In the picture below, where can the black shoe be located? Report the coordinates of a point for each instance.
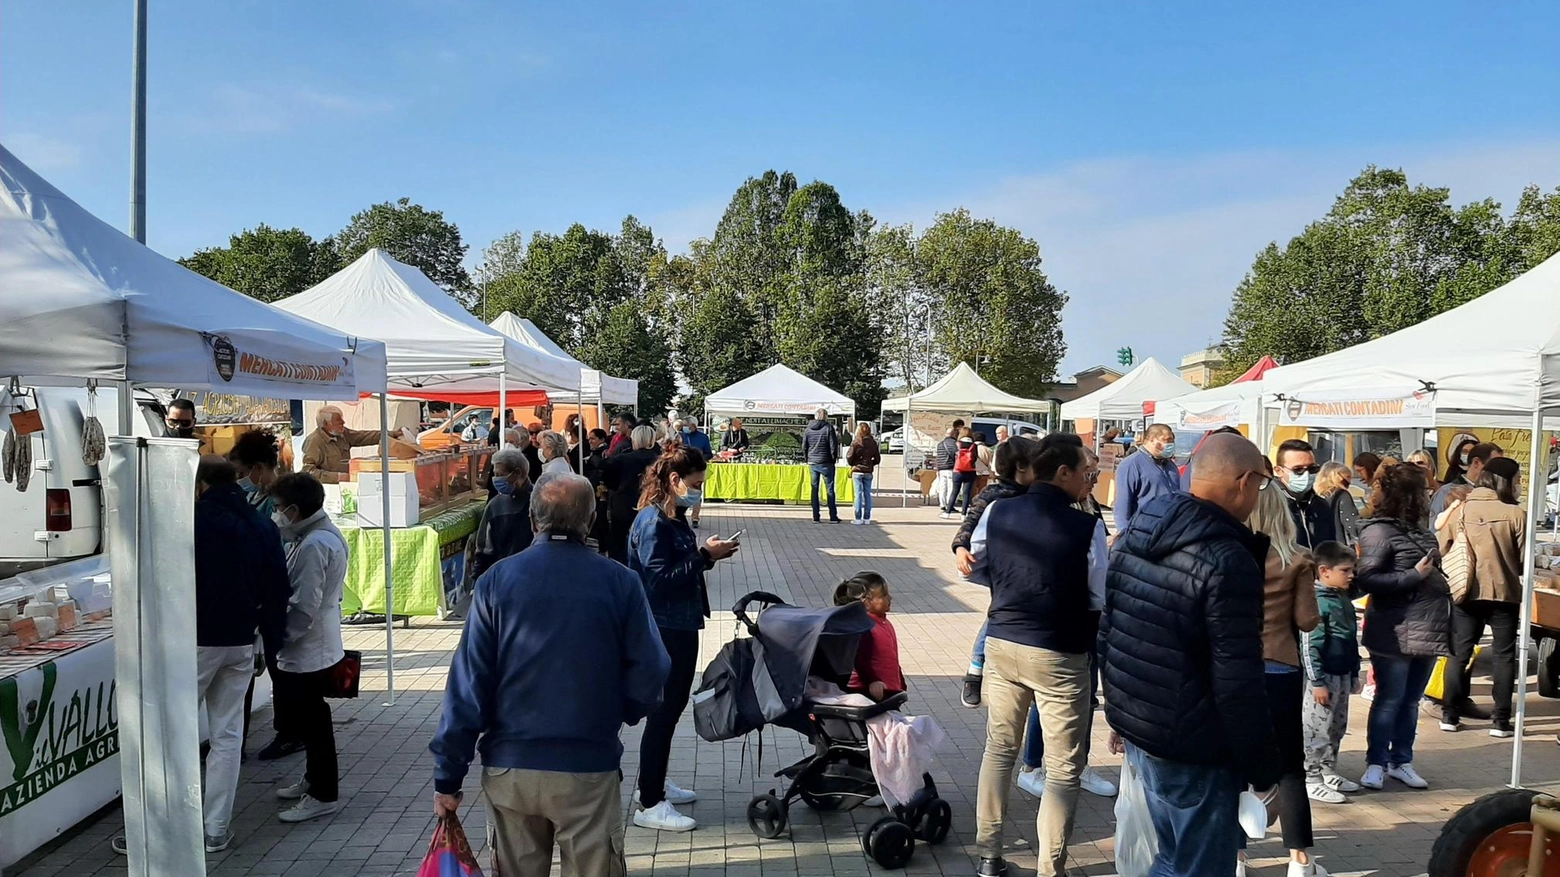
(836, 521)
(992, 867)
(1470, 710)
(695, 524)
(279, 748)
(1502, 728)
(971, 697)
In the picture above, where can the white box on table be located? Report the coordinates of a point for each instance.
(405, 500)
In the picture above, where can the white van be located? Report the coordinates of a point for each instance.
(987, 428)
(60, 516)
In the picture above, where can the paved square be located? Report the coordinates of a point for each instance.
(386, 819)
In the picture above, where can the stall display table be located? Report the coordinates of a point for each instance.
(60, 760)
(785, 482)
(419, 554)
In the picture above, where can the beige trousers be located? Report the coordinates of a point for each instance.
(529, 811)
(1058, 684)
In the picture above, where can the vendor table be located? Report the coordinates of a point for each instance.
(60, 732)
(790, 483)
(419, 561)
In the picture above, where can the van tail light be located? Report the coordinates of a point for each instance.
(57, 510)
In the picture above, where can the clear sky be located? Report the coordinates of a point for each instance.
(1151, 148)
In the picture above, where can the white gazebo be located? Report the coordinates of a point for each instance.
(596, 387)
(777, 390)
(1123, 399)
(1494, 361)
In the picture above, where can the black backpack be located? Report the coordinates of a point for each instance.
(726, 706)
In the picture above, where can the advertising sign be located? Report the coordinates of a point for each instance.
(246, 370)
(1361, 413)
(1209, 419)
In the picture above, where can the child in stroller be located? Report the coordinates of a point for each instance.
(792, 653)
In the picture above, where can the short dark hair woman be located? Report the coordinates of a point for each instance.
(664, 551)
(257, 456)
(1497, 537)
(1408, 621)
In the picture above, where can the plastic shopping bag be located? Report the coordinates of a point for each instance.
(449, 853)
(1136, 842)
(1253, 815)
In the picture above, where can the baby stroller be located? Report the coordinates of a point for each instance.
(761, 679)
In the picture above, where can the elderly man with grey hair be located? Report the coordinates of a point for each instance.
(327, 452)
(549, 740)
(554, 448)
(505, 529)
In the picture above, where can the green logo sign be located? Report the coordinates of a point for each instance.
(51, 739)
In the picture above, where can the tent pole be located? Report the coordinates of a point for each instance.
(904, 456)
(579, 424)
(384, 499)
(1538, 489)
(503, 408)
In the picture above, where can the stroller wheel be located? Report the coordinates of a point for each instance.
(889, 842)
(766, 816)
(937, 821)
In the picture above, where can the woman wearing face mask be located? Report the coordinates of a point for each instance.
(505, 529)
(671, 563)
(257, 457)
(1332, 485)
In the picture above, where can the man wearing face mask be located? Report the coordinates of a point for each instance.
(1296, 473)
(180, 422)
(505, 529)
(327, 452)
(1473, 460)
(1141, 477)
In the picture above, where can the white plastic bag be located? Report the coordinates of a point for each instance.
(1136, 842)
(1253, 815)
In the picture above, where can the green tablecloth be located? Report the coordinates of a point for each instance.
(417, 553)
(790, 483)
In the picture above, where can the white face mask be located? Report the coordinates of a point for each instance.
(281, 520)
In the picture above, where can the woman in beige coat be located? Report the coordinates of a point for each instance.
(1497, 539)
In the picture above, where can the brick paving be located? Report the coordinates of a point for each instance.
(386, 818)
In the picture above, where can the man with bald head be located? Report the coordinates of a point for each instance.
(1181, 647)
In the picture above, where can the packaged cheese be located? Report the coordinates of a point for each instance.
(8, 612)
(67, 616)
(9, 642)
(47, 627)
(25, 630)
(42, 609)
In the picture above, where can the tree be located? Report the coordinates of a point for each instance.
(267, 263)
(718, 344)
(995, 307)
(502, 258)
(415, 235)
(899, 303)
(1535, 226)
(624, 345)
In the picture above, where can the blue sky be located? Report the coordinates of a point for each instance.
(1150, 148)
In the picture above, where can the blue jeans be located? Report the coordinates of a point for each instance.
(863, 495)
(963, 486)
(1394, 714)
(826, 472)
(978, 654)
(1194, 811)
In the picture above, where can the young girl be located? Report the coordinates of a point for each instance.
(877, 672)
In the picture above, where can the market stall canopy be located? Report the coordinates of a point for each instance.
(79, 299)
(435, 348)
(778, 390)
(962, 390)
(1232, 405)
(1490, 362)
(1262, 367)
(595, 385)
(1123, 399)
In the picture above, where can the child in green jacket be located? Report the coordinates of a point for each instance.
(1332, 664)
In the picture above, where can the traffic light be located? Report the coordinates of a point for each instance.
(1124, 356)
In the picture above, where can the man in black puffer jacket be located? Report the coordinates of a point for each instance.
(1181, 647)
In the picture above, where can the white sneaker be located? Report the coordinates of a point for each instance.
(677, 794)
(1339, 782)
(308, 808)
(1324, 793)
(664, 817)
(858, 522)
(1032, 781)
(293, 792)
(945, 516)
(1240, 865)
(1405, 774)
(1095, 783)
(1375, 777)
(869, 521)
(1310, 869)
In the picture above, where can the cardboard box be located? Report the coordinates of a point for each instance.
(405, 503)
(1546, 605)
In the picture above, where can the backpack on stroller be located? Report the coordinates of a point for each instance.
(762, 679)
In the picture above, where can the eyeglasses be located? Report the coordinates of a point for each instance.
(180, 424)
(1094, 477)
(1303, 470)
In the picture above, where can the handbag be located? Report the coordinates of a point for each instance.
(1457, 565)
(341, 681)
(449, 852)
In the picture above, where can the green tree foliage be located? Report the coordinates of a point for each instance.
(625, 345)
(267, 263)
(415, 235)
(1387, 255)
(900, 304)
(994, 307)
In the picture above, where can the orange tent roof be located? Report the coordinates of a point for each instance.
(1258, 370)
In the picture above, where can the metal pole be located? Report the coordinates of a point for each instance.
(904, 452)
(384, 509)
(138, 127)
(503, 412)
(1538, 488)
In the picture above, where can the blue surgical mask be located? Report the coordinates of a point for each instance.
(690, 499)
(1168, 452)
(1300, 482)
(687, 430)
(503, 486)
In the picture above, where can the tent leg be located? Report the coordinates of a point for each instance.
(384, 468)
(904, 457)
(579, 424)
(503, 408)
(1537, 487)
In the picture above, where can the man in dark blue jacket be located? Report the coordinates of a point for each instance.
(549, 739)
(1181, 647)
(821, 450)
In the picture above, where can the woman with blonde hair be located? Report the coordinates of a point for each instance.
(1288, 606)
(1426, 461)
(1332, 485)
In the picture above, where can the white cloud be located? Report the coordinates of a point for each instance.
(268, 109)
(43, 153)
(1151, 248)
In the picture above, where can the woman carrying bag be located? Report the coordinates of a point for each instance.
(864, 456)
(1489, 528)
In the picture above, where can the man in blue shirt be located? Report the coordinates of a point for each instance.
(1145, 475)
(549, 742)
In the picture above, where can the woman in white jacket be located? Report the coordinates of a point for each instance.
(317, 567)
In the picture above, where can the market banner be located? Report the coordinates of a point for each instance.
(1365, 411)
(274, 371)
(1210, 418)
(1514, 443)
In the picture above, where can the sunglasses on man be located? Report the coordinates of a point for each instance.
(1304, 470)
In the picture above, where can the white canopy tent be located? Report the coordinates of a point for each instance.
(1123, 399)
(778, 390)
(1207, 410)
(596, 387)
(1447, 372)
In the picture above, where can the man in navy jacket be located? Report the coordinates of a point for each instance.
(1143, 476)
(549, 736)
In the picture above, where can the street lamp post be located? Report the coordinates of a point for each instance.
(138, 127)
